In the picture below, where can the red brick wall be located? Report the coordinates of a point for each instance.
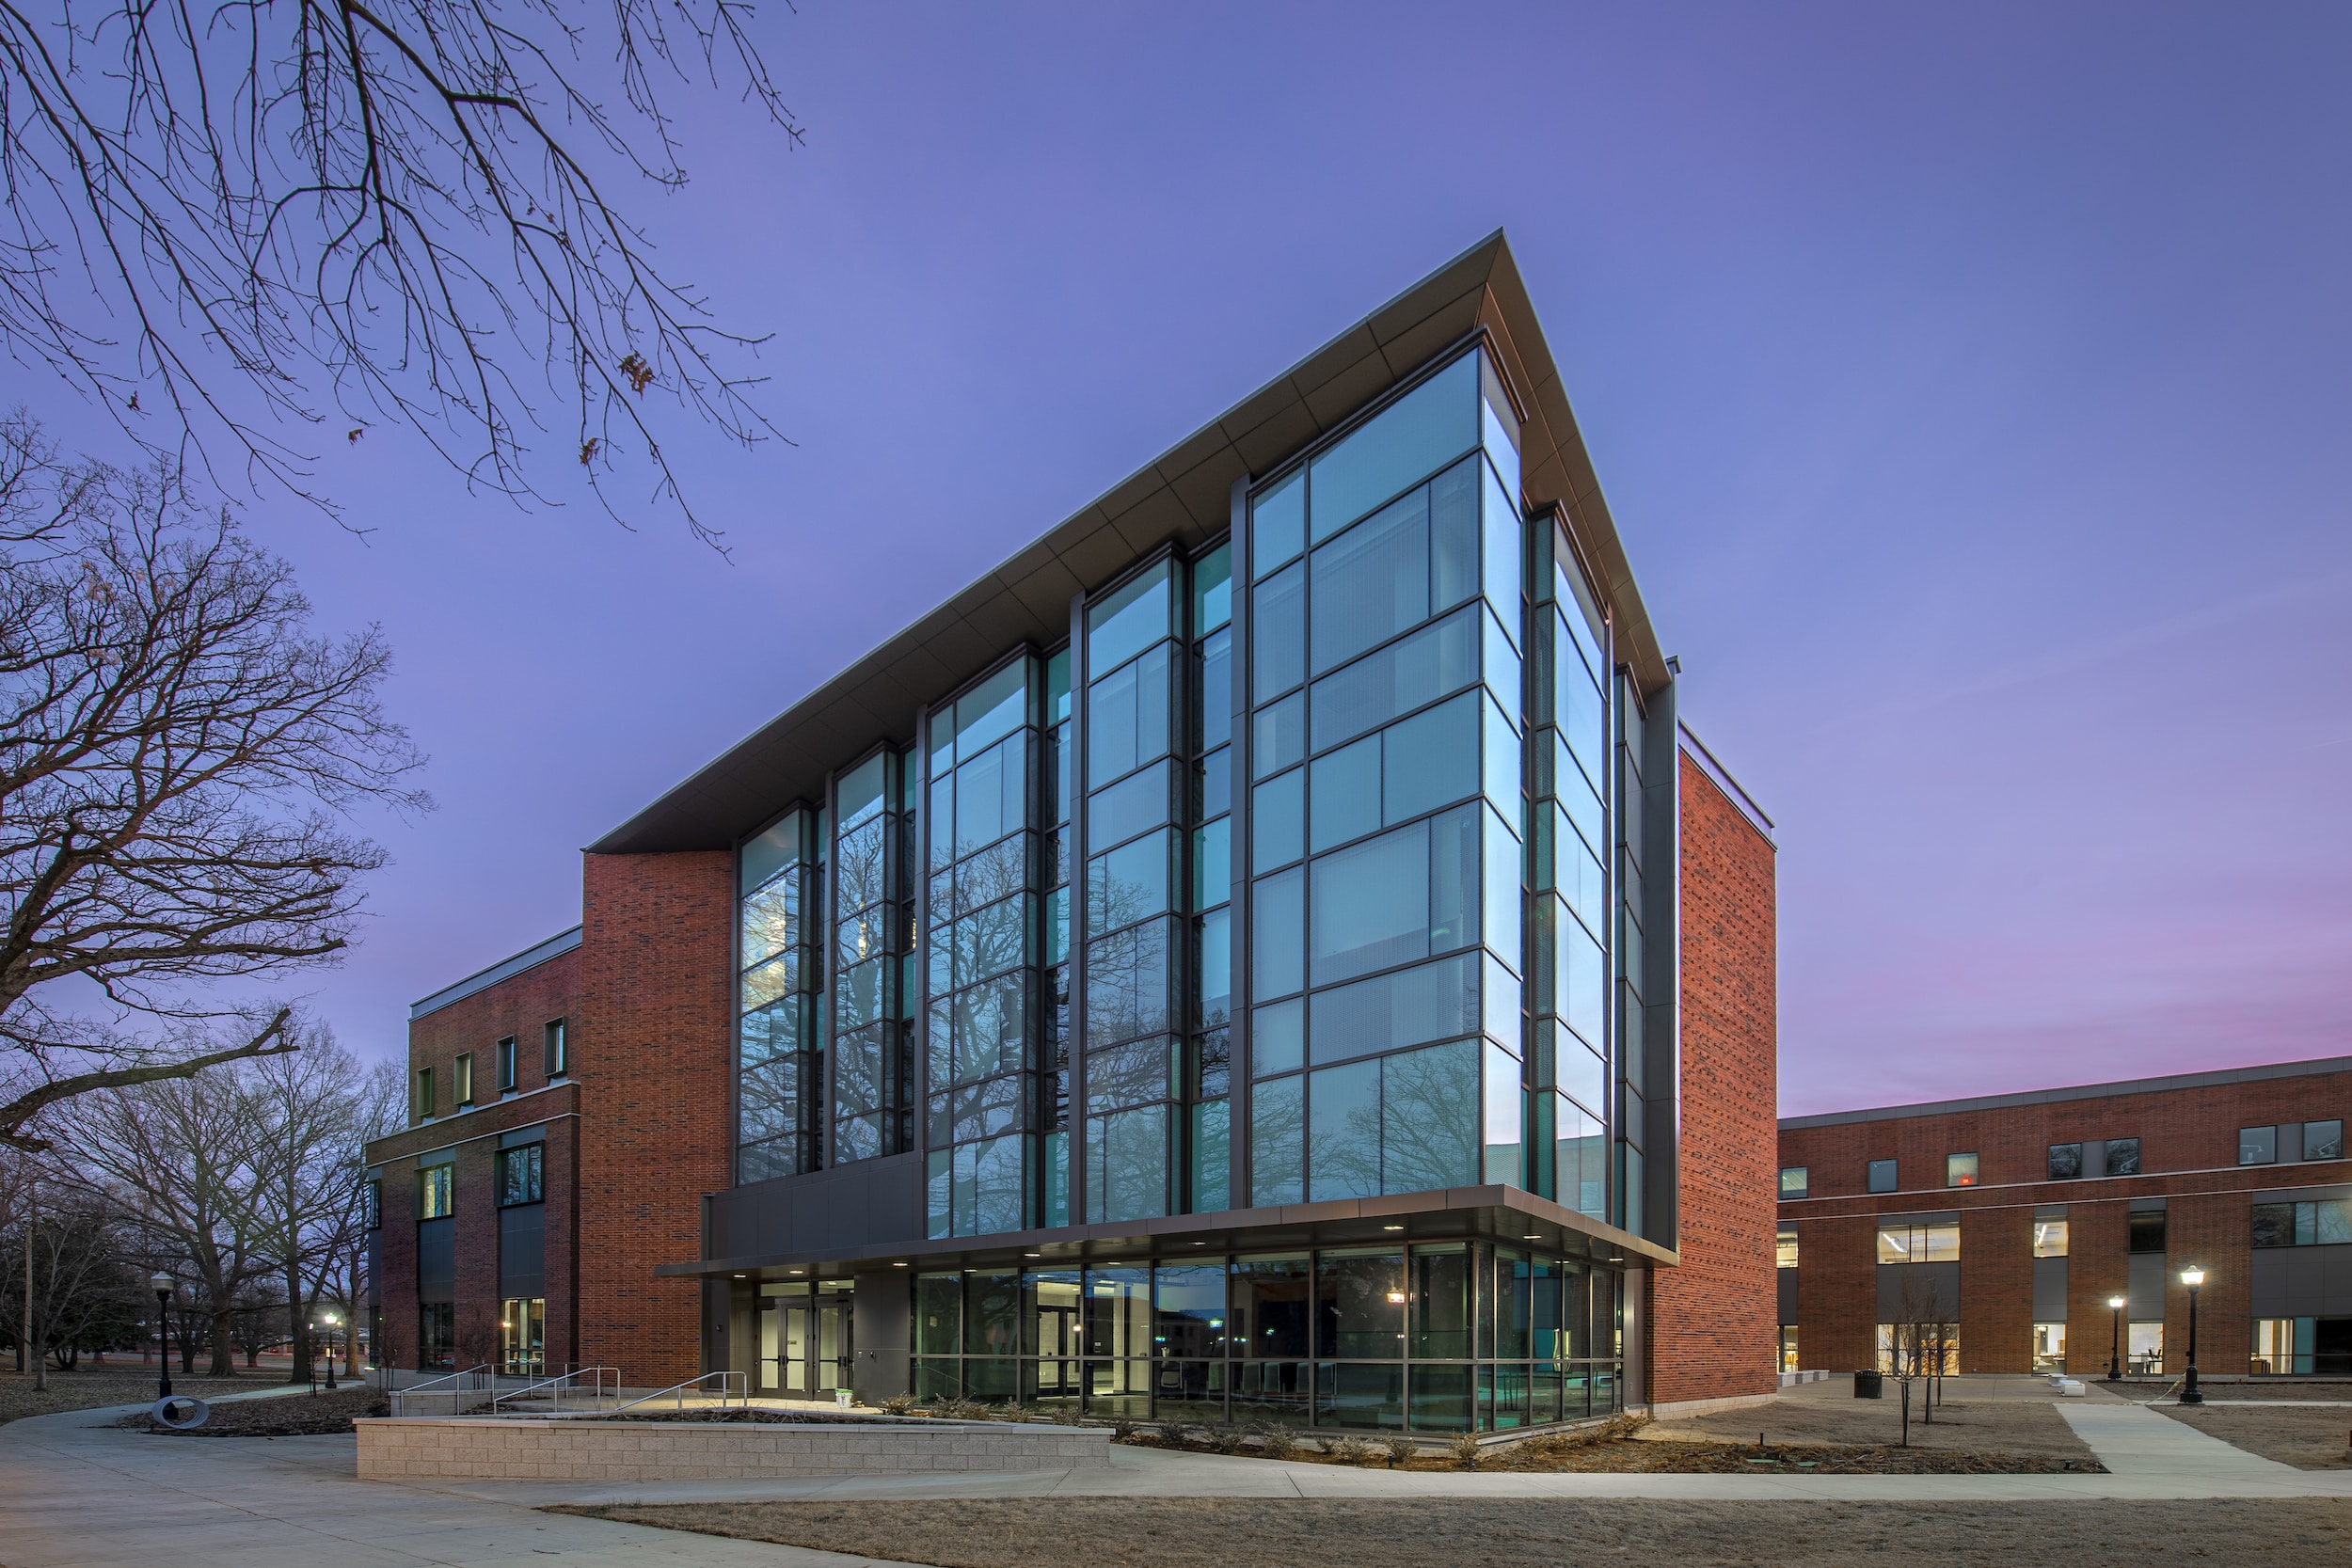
(1837, 1293)
(652, 1059)
(520, 1005)
(2188, 1155)
(1715, 1321)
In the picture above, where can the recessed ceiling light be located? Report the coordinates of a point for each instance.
(1392, 1228)
(742, 1277)
(1033, 1255)
(1531, 1238)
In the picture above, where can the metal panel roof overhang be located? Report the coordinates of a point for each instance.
(1184, 496)
(1500, 1213)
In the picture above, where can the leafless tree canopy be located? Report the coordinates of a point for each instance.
(405, 211)
(180, 754)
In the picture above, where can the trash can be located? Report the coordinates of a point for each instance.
(1869, 1385)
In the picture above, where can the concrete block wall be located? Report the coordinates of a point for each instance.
(610, 1450)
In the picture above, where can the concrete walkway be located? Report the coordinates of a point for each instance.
(79, 1491)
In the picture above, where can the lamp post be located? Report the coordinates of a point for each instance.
(2115, 1343)
(2190, 1392)
(162, 1283)
(331, 1353)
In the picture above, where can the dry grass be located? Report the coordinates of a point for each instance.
(1982, 1424)
(2316, 1439)
(89, 1390)
(1139, 1532)
(317, 1414)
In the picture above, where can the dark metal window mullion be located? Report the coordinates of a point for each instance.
(1240, 1102)
(919, 872)
(1077, 1141)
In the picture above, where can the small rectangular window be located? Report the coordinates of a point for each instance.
(2323, 1140)
(375, 1199)
(1793, 1180)
(559, 1049)
(2122, 1157)
(2049, 1347)
(2066, 1161)
(433, 1193)
(1882, 1176)
(1785, 1248)
(461, 1081)
(1960, 1170)
(2257, 1146)
(506, 1063)
(2147, 1230)
(425, 1094)
(521, 1176)
(2049, 1238)
(1900, 1242)
(2274, 1225)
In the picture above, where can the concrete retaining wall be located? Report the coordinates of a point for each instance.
(572, 1449)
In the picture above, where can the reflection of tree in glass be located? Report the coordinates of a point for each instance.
(1430, 1100)
(1127, 972)
(772, 917)
(861, 864)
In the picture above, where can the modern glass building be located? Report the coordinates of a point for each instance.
(1227, 962)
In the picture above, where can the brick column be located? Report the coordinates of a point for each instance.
(2213, 1232)
(396, 1264)
(1837, 1292)
(2097, 1267)
(1996, 1289)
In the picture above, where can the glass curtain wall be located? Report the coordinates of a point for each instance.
(1632, 1119)
(871, 1091)
(1210, 1070)
(1388, 807)
(779, 1065)
(983, 918)
(1133, 898)
(1062, 853)
(1569, 916)
(1447, 1337)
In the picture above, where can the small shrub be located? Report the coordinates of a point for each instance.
(1012, 1410)
(1278, 1443)
(1175, 1434)
(1123, 1429)
(1228, 1439)
(1351, 1450)
(898, 1404)
(1400, 1450)
(1463, 1449)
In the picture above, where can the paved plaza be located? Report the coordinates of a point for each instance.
(81, 1492)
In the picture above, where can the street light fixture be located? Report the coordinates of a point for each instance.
(2115, 1344)
(2190, 1394)
(331, 1353)
(162, 1284)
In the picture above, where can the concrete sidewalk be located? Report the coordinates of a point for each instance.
(81, 1492)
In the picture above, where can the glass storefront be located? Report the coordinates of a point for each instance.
(806, 1339)
(1444, 1336)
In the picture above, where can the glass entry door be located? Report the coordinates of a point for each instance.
(805, 1340)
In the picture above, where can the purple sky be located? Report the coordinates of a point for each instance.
(1972, 387)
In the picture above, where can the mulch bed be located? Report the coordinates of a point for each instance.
(320, 1415)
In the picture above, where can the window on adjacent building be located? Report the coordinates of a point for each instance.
(2066, 1161)
(558, 1048)
(2323, 1140)
(1960, 1170)
(425, 1094)
(433, 1193)
(2049, 1238)
(2144, 1347)
(1793, 1181)
(2147, 1230)
(461, 1081)
(1882, 1176)
(2122, 1157)
(1785, 1248)
(1788, 1347)
(2325, 1223)
(374, 1198)
(521, 1176)
(2049, 1347)
(2257, 1146)
(1906, 1242)
(506, 1063)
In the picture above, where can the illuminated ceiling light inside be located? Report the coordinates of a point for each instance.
(1392, 1228)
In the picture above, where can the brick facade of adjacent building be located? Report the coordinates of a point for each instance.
(2188, 1132)
(1713, 1315)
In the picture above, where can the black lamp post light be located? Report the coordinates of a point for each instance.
(163, 1288)
(2190, 1393)
(2115, 1344)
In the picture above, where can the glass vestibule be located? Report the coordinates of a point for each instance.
(805, 1338)
(1442, 1336)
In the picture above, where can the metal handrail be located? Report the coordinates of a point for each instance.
(727, 1381)
(400, 1396)
(559, 1384)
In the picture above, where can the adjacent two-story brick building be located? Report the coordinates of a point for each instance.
(1271, 950)
(2050, 1230)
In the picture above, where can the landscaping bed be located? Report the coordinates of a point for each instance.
(1525, 1532)
(318, 1415)
(2317, 1438)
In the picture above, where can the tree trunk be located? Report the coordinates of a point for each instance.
(297, 1323)
(223, 1348)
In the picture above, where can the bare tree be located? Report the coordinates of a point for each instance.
(179, 756)
(325, 211)
(82, 1290)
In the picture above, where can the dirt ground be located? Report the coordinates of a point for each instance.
(294, 1416)
(1203, 1532)
(2316, 1440)
(2011, 1416)
(90, 1389)
(2144, 1389)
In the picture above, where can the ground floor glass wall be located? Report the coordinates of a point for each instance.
(1441, 1338)
(805, 1337)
